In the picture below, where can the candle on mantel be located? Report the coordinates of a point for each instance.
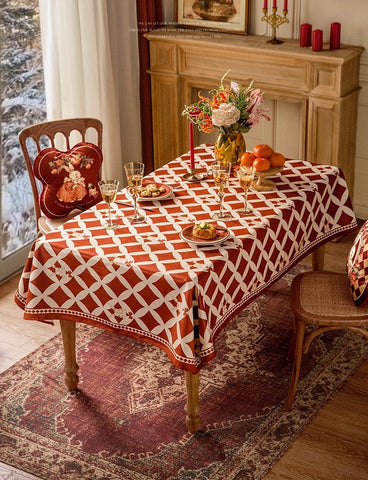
(285, 5)
(265, 4)
(305, 35)
(335, 33)
(317, 40)
(191, 145)
(274, 5)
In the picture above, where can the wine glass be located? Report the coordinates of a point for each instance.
(221, 172)
(109, 189)
(245, 176)
(134, 173)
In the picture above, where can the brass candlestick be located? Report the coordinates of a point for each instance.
(193, 176)
(275, 21)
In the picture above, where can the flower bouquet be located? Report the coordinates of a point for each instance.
(232, 110)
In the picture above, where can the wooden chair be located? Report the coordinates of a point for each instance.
(322, 299)
(61, 134)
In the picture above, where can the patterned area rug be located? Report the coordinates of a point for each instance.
(128, 422)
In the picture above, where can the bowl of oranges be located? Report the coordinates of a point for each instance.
(266, 163)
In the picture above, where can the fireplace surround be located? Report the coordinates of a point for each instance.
(325, 83)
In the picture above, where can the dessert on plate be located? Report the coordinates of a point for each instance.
(152, 190)
(204, 230)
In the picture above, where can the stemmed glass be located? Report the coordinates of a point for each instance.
(134, 173)
(221, 173)
(245, 176)
(109, 189)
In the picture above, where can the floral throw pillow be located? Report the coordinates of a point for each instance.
(69, 179)
(357, 267)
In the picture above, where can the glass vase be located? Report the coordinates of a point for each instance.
(230, 147)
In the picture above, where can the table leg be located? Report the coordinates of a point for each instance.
(70, 365)
(193, 408)
(318, 257)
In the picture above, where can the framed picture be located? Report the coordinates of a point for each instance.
(221, 15)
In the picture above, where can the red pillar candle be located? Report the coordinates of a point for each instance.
(191, 145)
(317, 40)
(305, 35)
(335, 33)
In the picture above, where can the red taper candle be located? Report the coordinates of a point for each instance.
(335, 34)
(305, 35)
(191, 145)
(265, 4)
(285, 5)
(317, 40)
(274, 5)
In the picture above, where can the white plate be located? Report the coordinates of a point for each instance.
(163, 196)
(222, 235)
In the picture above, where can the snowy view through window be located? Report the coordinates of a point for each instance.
(22, 104)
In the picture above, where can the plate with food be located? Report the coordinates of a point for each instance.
(204, 233)
(154, 191)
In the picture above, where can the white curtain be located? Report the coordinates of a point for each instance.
(90, 50)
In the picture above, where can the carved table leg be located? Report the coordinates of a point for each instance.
(193, 408)
(318, 257)
(70, 365)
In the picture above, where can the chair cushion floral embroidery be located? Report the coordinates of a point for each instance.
(69, 179)
(357, 267)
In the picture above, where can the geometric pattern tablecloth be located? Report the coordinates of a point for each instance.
(141, 279)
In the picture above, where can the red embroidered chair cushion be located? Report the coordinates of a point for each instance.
(357, 267)
(69, 179)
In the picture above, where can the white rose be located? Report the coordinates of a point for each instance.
(225, 115)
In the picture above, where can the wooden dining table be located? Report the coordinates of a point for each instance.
(148, 281)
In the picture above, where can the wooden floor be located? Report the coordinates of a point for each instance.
(333, 447)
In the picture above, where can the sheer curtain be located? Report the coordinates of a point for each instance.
(91, 67)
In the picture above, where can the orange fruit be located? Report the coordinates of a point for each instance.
(247, 159)
(277, 159)
(262, 150)
(261, 164)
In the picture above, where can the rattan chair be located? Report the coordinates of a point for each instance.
(322, 299)
(62, 134)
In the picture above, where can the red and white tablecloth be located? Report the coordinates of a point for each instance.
(141, 279)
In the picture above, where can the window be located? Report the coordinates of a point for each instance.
(22, 104)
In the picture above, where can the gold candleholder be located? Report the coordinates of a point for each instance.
(275, 21)
(193, 176)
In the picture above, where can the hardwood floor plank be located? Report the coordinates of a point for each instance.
(18, 337)
(350, 425)
(10, 473)
(327, 459)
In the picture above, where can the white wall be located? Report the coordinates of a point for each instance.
(353, 16)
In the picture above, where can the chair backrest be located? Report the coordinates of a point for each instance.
(61, 134)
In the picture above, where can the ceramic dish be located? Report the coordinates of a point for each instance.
(222, 235)
(166, 193)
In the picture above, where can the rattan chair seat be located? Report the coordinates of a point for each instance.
(324, 298)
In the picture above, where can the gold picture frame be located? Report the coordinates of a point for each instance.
(221, 15)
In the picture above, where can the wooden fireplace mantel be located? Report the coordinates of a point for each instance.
(325, 83)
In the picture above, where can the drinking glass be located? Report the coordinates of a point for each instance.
(245, 176)
(109, 189)
(221, 172)
(134, 173)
